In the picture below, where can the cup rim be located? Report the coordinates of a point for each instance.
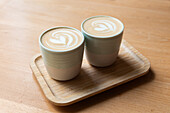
(102, 37)
(60, 51)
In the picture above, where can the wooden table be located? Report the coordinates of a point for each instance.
(147, 28)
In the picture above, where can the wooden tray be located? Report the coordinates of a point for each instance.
(92, 80)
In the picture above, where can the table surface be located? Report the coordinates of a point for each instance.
(147, 28)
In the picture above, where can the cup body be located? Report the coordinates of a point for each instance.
(62, 65)
(101, 51)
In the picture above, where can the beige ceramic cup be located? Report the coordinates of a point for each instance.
(102, 51)
(62, 65)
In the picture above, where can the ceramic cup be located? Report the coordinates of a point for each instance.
(102, 51)
(62, 65)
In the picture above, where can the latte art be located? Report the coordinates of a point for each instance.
(61, 39)
(102, 26)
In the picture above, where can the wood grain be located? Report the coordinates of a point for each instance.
(147, 25)
(129, 65)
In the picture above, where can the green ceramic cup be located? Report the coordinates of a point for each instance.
(102, 51)
(62, 65)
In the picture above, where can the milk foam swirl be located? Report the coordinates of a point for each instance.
(62, 39)
(103, 25)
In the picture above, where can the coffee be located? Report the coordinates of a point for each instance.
(102, 26)
(103, 35)
(62, 52)
(62, 38)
